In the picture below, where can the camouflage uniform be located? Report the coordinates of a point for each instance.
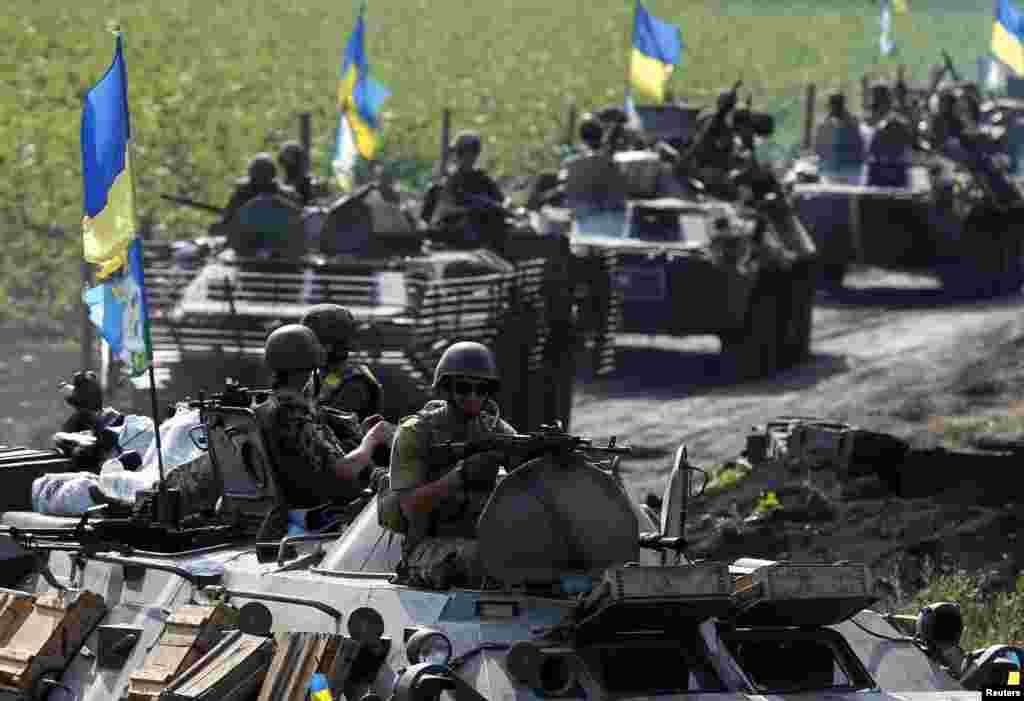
(306, 450)
(246, 190)
(440, 550)
(455, 194)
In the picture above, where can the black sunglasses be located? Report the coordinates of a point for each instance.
(468, 386)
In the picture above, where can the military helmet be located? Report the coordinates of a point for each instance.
(591, 131)
(291, 154)
(333, 324)
(467, 140)
(262, 170)
(84, 391)
(467, 359)
(293, 348)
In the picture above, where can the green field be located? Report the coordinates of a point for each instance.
(210, 83)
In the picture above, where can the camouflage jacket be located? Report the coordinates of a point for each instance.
(413, 465)
(245, 191)
(456, 192)
(306, 451)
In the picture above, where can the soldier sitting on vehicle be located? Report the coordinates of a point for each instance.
(466, 200)
(295, 163)
(85, 396)
(591, 179)
(346, 386)
(838, 142)
(261, 180)
(313, 466)
(435, 504)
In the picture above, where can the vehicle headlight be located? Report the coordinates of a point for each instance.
(429, 646)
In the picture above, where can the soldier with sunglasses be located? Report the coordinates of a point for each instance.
(433, 504)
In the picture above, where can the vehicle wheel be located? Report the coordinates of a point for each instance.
(753, 352)
(795, 319)
(832, 274)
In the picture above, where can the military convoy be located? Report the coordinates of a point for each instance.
(692, 259)
(957, 215)
(593, 596)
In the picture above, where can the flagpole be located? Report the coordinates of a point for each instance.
(162, 504)
(629, 55)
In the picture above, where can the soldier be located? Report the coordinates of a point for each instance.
(347, 387)
(434, 503)
(466, 192)
(881, 104)
(313, 465)
(838, 141)
(295, 163)
(85, 396)
(262, 179)
(591, 133)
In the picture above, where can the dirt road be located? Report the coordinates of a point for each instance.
(887, 355)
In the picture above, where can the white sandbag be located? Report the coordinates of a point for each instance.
(63, 493)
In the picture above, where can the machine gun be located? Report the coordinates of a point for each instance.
(522, 447)
(193, 203)
(726, 104)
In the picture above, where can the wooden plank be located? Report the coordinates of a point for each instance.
(13, 612)
(298, 656)
(236, 664)
(51, 629)
(188, 634)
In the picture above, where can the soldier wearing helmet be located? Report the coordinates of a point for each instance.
(591, 132)
(467, 195)
(295, 162)
(347, 387)
(261, 179)
(314, 466)
(434, 503)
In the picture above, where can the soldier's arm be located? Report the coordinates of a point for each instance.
(409, 473)
(325, 452)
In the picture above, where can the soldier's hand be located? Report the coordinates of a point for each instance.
(370, 421)
(481, 469)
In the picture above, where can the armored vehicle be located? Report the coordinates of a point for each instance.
(590, 598)
(952, 211)
(689, 262)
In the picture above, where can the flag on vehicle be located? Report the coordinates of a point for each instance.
(117, 307)
(108, 225)
(657, 48)
(359, 100)
(1008, 35)
(885, 41)
(319, 689)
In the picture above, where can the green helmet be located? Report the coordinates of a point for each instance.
(291, 155)
(466, 359)
(262, 170)
(333, 324)
(293, 348)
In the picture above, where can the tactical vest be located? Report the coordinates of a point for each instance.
(335, 381)
(456, 516)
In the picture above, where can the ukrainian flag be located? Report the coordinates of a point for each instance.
(657, 47)
(109, 221)
(118, 306)
(1008, 35)
(359, 99)
(318, 688)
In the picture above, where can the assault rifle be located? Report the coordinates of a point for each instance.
(193, 203)
(549, 440)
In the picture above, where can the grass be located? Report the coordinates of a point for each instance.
(210, 84)
(988, 620)
(960, 431)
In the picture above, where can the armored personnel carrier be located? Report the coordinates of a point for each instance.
(688, 260)
(955, 212)
(589, 598)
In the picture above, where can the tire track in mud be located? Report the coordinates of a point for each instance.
(867, 362)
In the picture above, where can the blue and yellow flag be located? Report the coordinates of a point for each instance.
(359, 100)
(885, 41)
(118, 308)
(1008, 35)
(109, 222)
(657, 48)
(318, 688)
